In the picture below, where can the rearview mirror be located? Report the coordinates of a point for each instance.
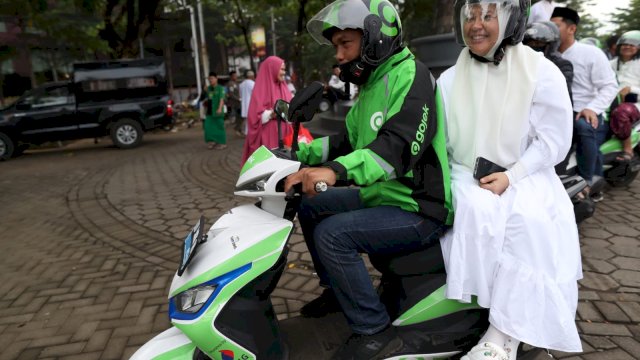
(305, 104)
(282, 109)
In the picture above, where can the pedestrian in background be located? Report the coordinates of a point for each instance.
(290, 85)
(261, 120)
(246, 88)
(627, 68)
(594, 87)
(612, 44)
(213, 101)
(233, 102)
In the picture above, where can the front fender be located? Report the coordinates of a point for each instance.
(171, 344)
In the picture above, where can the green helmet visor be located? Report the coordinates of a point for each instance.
(341, 14)
(351, 14)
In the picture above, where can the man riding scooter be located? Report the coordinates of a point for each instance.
(393, 149)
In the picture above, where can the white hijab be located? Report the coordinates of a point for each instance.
(491, 104)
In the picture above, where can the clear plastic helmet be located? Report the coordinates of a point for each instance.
(591, 41)
(630, 37)
(542, 32)
(378, 20)
(512, 19)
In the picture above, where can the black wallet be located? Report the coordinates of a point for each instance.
(484, 167)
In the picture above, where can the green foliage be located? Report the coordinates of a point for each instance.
(418, 18)
(63, 31)
(629, 18)
(589, 24)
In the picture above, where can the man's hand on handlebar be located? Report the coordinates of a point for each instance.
(309, 177)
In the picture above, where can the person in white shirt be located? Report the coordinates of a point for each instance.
(246, 88)
(290, 85)
(514, 244)
(338, 87)
(594, 88)
(627, 68)
(541, 11)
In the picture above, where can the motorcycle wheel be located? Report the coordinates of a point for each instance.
(625, 180)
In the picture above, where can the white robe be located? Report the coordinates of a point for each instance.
(246, 89)
(519, 253)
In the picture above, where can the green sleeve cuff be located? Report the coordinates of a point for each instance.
(338, 168)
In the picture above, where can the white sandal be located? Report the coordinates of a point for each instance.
(486, 351)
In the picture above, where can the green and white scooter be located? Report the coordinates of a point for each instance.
(219, 302)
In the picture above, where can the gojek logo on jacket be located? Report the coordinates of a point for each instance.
(377, 119)
(416, 145)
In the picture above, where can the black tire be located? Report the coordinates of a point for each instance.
(126, 133)
(7, 147)
(629, 177)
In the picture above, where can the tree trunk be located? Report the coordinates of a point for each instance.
(53, 66)
(245, 27)
(298, 64)
(169, 65)
(1, 88)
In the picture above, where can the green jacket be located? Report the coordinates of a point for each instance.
(394, 145)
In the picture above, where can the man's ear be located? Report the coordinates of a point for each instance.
(573, 28)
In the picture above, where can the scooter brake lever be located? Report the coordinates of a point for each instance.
(294, 192)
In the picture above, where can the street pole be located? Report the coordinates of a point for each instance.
(194, 40)
(203, 43)
(141, 44)
(273, 33)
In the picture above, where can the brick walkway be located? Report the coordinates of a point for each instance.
(90, 236)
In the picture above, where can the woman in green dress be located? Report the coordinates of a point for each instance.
(214, 133)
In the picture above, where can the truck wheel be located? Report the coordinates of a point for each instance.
(6, 147)
(324, 105)
(126, 133)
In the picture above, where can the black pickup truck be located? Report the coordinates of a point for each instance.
(120, 98)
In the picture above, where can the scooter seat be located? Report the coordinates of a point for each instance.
(425, 261)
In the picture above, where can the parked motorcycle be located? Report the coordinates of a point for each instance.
(621, 173)
(616, 173)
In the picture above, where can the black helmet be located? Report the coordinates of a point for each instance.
(378, 20)
(512, 15)
(546, 32)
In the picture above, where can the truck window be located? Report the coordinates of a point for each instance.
(50, 97)
(99, 85)
(141, 82)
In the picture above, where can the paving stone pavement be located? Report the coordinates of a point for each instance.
(89, 237)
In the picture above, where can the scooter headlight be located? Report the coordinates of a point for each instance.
(191, 301)
(255, 186)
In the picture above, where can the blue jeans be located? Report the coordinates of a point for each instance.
(588, 141)
(337, 227)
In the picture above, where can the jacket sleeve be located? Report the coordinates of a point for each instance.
(567, 70)
(408, 130)
(322, 149)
